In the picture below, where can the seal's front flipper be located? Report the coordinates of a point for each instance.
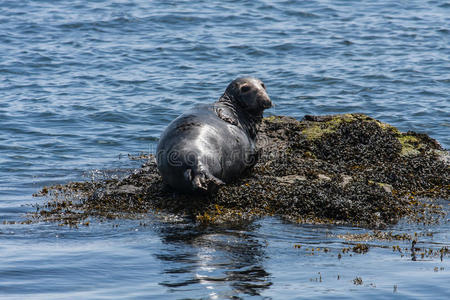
(202, 181)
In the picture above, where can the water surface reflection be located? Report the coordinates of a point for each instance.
(224, 261)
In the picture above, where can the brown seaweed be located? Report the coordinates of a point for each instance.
(346, 168)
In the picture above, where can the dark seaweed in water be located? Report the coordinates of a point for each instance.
(341, 169)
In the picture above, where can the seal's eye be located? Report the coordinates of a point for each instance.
(245, 89)
(263, 85)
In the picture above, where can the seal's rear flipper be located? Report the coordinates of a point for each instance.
(202, 180)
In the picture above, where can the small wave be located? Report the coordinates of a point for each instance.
(111, 116)
(302, 14)
(378, 76)
(248, 49)
(177, 19)
(326, 79)
(284, 47)
(102, 26)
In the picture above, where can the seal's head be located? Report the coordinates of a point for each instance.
(249, 94)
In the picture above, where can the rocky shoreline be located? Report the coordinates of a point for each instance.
(340, 169)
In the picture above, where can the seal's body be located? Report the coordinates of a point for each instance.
(213, 144)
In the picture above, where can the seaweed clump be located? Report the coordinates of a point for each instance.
(347, 168)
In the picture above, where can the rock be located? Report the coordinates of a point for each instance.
(387, 188)
(290, 179)
(324, 169)
(324, 177)
(346, 180)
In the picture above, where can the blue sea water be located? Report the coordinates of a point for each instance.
(85, 83)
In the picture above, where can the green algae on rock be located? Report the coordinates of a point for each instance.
(324, 169)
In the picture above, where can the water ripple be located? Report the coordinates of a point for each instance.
(84, 83)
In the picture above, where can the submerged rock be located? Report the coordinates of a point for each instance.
(335, 169)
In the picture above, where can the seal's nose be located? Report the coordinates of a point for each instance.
(265, 101)
(268, 104)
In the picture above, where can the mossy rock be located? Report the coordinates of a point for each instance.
(346, 168)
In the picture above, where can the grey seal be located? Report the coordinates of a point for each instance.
(214, 144)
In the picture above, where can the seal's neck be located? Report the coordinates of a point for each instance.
(246, 119)
(228, 100)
